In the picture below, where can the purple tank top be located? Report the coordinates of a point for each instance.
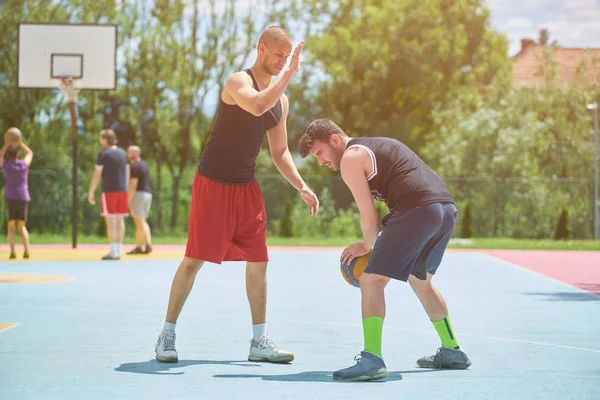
(15, 180)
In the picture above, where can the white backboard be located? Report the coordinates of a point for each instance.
(47, 51)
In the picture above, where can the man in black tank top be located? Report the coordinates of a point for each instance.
(227, 215)
(411, 244)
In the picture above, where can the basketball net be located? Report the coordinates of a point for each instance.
(70, 88)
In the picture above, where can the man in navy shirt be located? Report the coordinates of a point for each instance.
(140, 200)
(113, 167)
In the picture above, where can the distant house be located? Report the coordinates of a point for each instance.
(527, 63)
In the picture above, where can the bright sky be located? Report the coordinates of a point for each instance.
(573, 23)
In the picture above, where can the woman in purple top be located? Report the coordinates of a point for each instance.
(16, 192)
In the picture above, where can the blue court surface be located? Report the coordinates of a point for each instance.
(92, 337)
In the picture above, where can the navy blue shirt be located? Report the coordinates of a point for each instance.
(140, 170)
(114, 171)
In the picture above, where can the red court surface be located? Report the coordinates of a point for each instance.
(576, 268)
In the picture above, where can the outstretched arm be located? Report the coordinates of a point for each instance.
(282, 158)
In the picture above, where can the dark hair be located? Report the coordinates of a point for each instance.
(320, 130)
(11, 153)
(110, 136)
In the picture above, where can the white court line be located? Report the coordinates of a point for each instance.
(301, 321)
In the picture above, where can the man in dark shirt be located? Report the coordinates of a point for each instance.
(113, 167)
(411, 244)
(227, 215)
(140, 200)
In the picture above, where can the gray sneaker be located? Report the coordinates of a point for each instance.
(267, 351)
(368, 367)
(165, 347)
(446, 358)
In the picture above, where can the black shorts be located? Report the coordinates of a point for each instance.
(413, 241)
(16, 210)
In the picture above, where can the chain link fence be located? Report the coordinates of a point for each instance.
(488, 207)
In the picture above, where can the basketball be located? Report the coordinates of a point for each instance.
(12, 136)
(355, 269)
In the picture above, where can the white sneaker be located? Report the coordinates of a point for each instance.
(266, 350)
(165, 347)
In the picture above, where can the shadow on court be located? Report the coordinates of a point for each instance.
(566, 296)
(318, 376)
(590, 287)
(153, 367)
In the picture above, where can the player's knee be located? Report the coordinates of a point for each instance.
(190, 266)
(11, 226)
(20, 225)
(256, 268)
(373, 281)
(419, 285)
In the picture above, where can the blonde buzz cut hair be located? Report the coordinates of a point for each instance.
(274, 34)
(136, 149)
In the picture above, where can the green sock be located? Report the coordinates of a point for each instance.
(373, 331)
(444, 329)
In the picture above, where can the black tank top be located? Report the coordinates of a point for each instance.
(400, 177)
(234, 143)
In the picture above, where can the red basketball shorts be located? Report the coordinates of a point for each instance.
(227, 222)
(114, 204)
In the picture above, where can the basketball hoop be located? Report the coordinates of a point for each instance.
(70, 87)
(55, 56)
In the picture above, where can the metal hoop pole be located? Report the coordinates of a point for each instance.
(75, 184)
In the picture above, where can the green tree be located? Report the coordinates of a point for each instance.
(389, 63)
(467, 222)
(544, 38)
(562, 229)
(520, 154)
(286, 228)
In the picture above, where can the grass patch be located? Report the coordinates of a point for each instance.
(525, 244)
(476, 243)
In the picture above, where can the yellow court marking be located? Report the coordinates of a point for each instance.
(96, 255)
(6, 326)
(16, 277)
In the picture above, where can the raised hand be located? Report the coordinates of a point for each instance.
(295, 63)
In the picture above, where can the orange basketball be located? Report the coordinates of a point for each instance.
(353, 271)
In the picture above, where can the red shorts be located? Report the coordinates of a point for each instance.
(114, 204)
(227, 222)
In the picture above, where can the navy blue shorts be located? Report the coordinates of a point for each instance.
(16, 210)
(413, 241)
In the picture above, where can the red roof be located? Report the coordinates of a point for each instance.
(526, 63)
